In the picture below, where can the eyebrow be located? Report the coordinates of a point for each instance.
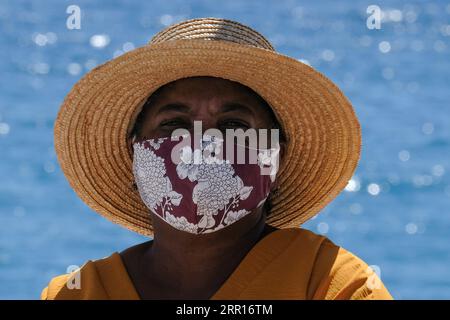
(227, 107)
(175, 106)
(236, 106)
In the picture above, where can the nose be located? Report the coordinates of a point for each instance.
(207, 122)
(206, 112)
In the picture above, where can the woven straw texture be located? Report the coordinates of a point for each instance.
(97, 115)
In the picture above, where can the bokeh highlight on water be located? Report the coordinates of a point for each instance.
(394, 213)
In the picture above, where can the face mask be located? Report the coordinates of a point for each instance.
(200, 194)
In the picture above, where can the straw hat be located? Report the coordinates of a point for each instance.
(97, 115)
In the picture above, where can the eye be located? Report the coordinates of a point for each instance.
(175, 123)
(234, 124)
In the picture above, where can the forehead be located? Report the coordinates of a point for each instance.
(206, 88)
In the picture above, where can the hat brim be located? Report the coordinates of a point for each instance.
(96, 116)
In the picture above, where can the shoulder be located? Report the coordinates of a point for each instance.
(96, 279)
(334, 272)
(54, 286)
(68, 286)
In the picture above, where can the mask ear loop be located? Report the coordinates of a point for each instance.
(133, 185)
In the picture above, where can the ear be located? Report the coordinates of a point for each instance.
(130, 141)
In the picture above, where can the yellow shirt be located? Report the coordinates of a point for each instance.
(291, 263)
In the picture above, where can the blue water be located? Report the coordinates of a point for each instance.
(395, 213)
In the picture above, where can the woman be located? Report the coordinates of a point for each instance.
(224, 233)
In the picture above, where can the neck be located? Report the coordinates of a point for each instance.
(196, 265)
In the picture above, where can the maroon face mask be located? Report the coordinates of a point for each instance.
(192, 189)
